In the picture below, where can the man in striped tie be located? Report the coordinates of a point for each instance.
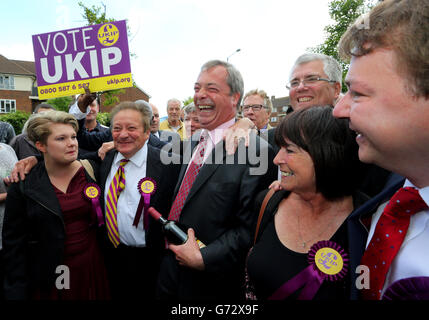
(135, 245)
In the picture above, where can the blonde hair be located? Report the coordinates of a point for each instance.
(39, 125)
(256, 92)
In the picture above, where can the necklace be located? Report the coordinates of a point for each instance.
(304, 243)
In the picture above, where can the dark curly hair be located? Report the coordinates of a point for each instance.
(330, 144)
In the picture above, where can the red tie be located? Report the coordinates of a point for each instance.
(388, 236)
(188, 180)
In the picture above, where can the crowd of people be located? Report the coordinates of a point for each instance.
(332, 204)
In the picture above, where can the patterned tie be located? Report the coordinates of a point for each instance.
(388, 236)
(189, 178)
(117, 185)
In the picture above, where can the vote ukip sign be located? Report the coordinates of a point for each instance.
(95, 56)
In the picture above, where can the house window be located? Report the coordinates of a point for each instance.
(7, 106)
(7, 82)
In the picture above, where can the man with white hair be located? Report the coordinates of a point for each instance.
(315, 80)
(173, 122)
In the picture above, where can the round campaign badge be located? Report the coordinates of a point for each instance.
(330, 259)
(108, 34)
(91, 191)
(146, 186)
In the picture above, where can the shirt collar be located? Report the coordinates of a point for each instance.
(216, 135)
(424, 192)
(138, 159)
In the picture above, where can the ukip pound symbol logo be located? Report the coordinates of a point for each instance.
(108, 34)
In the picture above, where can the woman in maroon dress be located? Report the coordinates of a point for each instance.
(50, 226)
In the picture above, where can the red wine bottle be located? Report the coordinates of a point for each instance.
(173, 232)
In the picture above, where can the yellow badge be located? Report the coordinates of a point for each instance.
(329, 261)
(147, 186)
(108, 34)
(91, 192)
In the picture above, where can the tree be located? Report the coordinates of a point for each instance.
(344, 13)
(187, 101)
(97, 15)
(61, 103)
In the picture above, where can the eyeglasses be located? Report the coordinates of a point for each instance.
(255, 107)
(307, 81)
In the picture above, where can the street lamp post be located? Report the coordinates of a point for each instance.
(238, 50)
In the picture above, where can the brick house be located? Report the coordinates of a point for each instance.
(280, 106)
(130, 94)
(18, 88)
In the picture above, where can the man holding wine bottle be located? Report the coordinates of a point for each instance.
(214, 197)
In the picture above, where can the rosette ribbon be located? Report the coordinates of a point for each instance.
(146, 187)
(327, 262)
(92, 192)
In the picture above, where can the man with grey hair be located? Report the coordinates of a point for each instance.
(257, 107)
(315, 80)
(173, 122)
(214, 197)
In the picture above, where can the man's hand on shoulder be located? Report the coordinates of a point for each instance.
(21, 169)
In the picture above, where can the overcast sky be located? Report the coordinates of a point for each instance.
(173, 39)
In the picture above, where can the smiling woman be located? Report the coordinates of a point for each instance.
(320, 167)
(49, 223)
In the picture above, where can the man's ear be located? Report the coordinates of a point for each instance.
(235, 97)
(337, 87)
(40, 146)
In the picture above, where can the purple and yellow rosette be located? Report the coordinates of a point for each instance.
(146, 187)
(92, 192)
(328, 262)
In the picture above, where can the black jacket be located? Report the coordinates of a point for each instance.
(33, 234)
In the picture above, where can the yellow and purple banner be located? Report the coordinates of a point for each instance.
(97, 56)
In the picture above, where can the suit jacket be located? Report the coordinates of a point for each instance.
(219, 209)
(271, 134)
(165, 177)
(358, 226)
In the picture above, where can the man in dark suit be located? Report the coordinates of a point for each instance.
(388, 106)
(133, 265)
(219, 203)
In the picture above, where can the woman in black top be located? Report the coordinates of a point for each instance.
(320, 169)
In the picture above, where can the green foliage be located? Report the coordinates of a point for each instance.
(61, 103)
(104, 118)
(344, 13)
(110, 97)
(16, 119)
(187, 101)
(94, 15)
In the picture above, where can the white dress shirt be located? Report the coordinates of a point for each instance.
(129, 198)
(412, 259)
(75, 111)
(214, 137)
